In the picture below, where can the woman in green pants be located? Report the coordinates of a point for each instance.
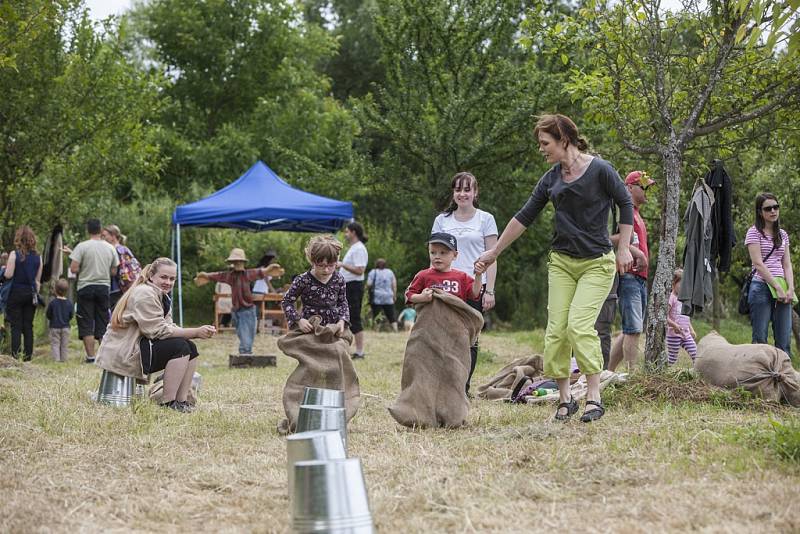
(581, 262)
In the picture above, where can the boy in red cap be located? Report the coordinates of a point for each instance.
(633, 284)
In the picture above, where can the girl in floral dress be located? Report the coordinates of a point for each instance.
(321, 289)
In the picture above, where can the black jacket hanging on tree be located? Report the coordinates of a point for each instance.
(724, 237)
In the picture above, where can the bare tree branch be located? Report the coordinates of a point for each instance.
(738, 118)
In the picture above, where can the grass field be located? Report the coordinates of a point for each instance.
(654, 463)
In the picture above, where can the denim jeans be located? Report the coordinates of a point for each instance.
(245, 328)
(763, 309)
(632, 302)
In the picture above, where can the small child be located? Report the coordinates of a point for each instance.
(679, 332)
(321, 289)
(242, 307)
(407, 318)
(59, 314)
(443, 249)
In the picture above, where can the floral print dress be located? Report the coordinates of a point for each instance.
(329, 301)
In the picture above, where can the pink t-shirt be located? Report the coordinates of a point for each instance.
(775, 262)
(675, 315)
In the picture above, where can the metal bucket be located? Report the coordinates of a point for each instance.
(314, 445)
(323, 397)
(115, 389)
(322, 418)
(330, 496)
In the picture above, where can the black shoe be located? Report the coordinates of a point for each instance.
(593, 415)
(571, 406)
(88, 360)
(176, 405)
(357, 356)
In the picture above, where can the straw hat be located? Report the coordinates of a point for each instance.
(236, 254)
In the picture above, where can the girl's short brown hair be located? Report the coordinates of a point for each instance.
(323, 248)
(677, 276)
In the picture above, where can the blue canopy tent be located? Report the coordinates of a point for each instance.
(259, 200)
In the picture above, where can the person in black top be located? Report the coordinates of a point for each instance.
(581, 263)
(24, 270)
(59, 314)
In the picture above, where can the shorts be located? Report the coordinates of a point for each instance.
(93, 311)
(355, 294)
(632, 302)
(164, 350)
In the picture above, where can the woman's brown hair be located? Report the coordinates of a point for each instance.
(561, 128)
(148, 272)
(461, 180)
(24, 241)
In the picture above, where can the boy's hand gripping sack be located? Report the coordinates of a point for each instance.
(436, 364)
(323, 362)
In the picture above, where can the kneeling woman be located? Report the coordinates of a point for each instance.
(143, 339)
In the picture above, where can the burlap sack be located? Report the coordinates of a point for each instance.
(503, 382)
(436, 364)
(323, 362)
(157, 392)
(761, 369)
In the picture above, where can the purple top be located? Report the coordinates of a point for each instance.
(329, 301)
(774, 263)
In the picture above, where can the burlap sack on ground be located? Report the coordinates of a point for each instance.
(323, 362)
(436, 364)
(761, 369)
(502, 384)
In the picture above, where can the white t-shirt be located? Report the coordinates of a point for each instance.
(470, 234)
(357, 257)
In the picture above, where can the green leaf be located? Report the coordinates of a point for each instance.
(740, 33)
(564, 59)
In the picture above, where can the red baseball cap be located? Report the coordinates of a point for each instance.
(640, 178)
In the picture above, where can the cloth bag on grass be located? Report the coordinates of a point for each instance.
(436, 364)
(502, 384)
(761, 369)
(323, 362)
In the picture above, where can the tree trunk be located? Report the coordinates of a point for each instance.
(655, 343)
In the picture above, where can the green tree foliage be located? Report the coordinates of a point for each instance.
(356, 68)
(241, 84)
(71, 117)
(458, 95)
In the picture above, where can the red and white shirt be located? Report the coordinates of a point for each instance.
(453, 281)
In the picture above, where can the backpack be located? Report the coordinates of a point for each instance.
(129, 269)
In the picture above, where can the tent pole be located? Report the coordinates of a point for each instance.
(180, 285)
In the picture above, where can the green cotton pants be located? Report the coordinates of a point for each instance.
(577, 289)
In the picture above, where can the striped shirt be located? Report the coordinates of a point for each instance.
(775, 262)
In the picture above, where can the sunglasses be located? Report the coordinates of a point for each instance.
(774, 207)
(644, 181)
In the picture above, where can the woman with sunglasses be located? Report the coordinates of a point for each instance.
(772, 289)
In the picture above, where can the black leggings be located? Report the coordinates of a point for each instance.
(19, 312)
(473, 350)
(164, 350)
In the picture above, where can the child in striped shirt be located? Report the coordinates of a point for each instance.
(679, 332)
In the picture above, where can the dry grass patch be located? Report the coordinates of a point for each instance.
(658, 461)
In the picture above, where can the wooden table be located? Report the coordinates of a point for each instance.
(270, 307)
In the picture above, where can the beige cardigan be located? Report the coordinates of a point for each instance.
(143, 316)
